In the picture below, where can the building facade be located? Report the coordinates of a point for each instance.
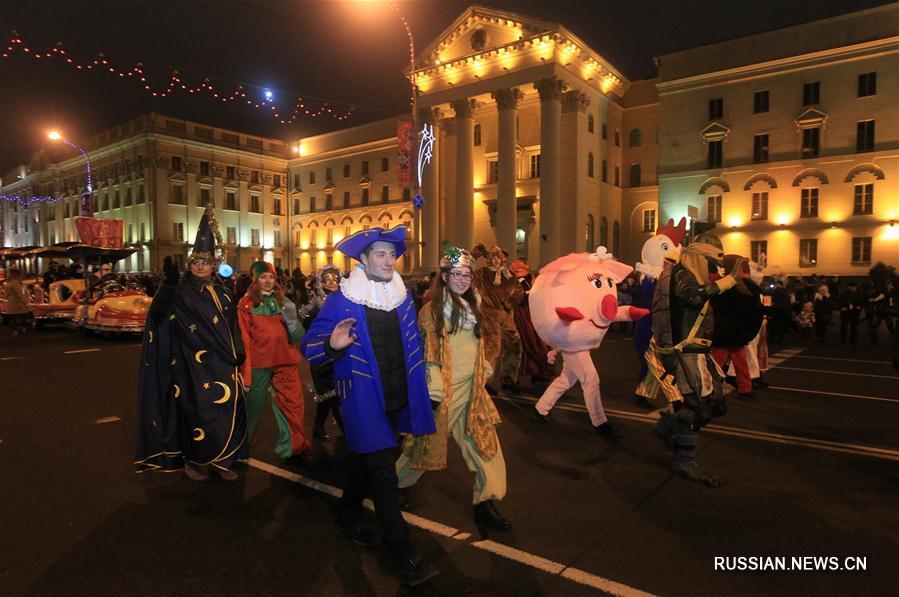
(786, 141)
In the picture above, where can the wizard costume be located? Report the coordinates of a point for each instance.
(380, 380)
(270, 331)
(190, 396)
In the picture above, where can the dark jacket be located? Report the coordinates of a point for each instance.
(738, 316)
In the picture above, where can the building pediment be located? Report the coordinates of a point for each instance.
(477, 29)
(296, 194)
(231, 185)
(278, 191)
(255, 188)
(811, 118)
(364, 182)
(329, 188)
(177, 177)
(714, 132)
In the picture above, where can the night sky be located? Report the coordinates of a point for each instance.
(347, 50)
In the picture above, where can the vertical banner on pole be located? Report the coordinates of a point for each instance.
(405, 136)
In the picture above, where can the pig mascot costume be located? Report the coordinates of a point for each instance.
(573, 303)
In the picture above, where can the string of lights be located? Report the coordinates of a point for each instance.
(303, 106)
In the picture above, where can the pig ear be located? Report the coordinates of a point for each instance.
(617, 271)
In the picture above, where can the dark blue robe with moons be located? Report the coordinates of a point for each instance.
(198, 424)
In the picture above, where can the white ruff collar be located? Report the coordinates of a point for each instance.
(384, 296)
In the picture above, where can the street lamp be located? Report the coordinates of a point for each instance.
(85, 198)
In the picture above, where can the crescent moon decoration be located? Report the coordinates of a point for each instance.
(177, 390)
(201, 435)
(150, 335)
(199, 356)
(227, 394)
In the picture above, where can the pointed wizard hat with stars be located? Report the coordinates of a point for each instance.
(208, 238)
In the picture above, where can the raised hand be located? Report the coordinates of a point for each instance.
(343, 334)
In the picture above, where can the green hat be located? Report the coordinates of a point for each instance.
(260, 267)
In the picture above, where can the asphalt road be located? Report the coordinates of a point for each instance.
(809, 468)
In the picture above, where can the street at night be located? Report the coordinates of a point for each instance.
(808, 468)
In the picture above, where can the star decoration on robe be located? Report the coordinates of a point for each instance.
(215, 319)
(173, 361)
(206, 386)
(172, 316)
(192, 327)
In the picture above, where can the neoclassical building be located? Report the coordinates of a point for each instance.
(786, 141)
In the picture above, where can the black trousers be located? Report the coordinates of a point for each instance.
(374, 475)
(849, 322)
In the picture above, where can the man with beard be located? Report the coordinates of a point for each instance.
(192, 413)
(500, 294)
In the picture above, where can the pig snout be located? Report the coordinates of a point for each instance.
(609, 307)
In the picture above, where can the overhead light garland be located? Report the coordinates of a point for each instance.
(27, 201)
(325, 108)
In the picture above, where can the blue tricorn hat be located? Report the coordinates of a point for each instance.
(353, 245)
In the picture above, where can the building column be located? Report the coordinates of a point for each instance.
(464, 220)
(550, 90)
(447, 177)
(430, 213)
(574, 186)
(507, 200)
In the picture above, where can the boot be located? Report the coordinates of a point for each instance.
(405, 499)
(664, 429)
(685, 460)
(196, 472)
(225, 474)
(486, 514)
(358, 534)
(609, 430)
(413, 571)
(536, 415)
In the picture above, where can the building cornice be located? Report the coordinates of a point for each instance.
(872, 49)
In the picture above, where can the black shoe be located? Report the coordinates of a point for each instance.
(731, 379)
(196, 472)
(536, 416)
(405, 499)
(414, 571)
(318, 432)
(759, 382)
(358, 535)
(607, 429)
(486, 514)
(225, 474)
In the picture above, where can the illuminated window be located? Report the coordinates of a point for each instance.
(808, 252)
(864, 200)
(649, 220)
(757, 248)
(713, 208)
(809, 205)
(861, 250)
(760, 206)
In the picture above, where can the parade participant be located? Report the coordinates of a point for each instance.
(533, 349)
(850, 303)
(573, 303)
(757, 349)
(456, 372)
(738, 319)
(369, 330)
(269, 328)
(17, 311)
(663, 246)
(683, 379)
(325, 282)
(191, 400)
(500, 294)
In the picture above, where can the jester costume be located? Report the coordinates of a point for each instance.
(270, 331)
(500, 294)
(191, 403)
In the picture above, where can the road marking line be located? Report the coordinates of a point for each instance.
(847, 360)
(861, 396)
(83, 350)
(818, 444)
(105, 420)
(9, 358)
(534, 561)
(840, 373)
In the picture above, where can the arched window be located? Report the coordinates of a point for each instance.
(604, 232)
(636, 138)
(616, 238)
(590, 124)
(477, 135)
(590, 164)
(590, 234)
(635, 175)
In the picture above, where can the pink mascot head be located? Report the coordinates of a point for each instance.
(575, 299)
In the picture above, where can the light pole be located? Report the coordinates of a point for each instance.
(85, 198)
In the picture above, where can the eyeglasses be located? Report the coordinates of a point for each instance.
(458, 276)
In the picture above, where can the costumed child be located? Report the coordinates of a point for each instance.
(191, 400)
(270, 330)
(500, 293)
(533, 349)
(456, 373)
(573, 303)
(325, 282)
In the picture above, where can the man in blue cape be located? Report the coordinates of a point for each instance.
(369, 330)
(192, 412)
